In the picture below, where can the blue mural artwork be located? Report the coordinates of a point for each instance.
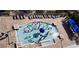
(37, 32)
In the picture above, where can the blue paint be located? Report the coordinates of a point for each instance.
(41, 30)
(35, 35)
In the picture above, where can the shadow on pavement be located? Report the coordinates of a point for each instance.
(71, 34)
(68, 31)
(3, 36)
(77, 39)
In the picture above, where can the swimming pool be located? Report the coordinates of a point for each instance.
(37, 32)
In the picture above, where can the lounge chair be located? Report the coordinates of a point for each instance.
(13, 17)
(20, 17)
(28, 17)
(45, 16)
(31, 17)
(23, 17)
(42, 15)
(16, 16)
(36, 16)
(53, 16)
(49, 16)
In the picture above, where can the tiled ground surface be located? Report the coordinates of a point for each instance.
(6, 25)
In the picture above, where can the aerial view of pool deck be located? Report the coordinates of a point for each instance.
(39, 29)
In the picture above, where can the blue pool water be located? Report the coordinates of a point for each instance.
(36, 32)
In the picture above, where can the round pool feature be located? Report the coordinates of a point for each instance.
(41, 30)
(35, 35)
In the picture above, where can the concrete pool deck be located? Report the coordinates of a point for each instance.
(6, 24)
